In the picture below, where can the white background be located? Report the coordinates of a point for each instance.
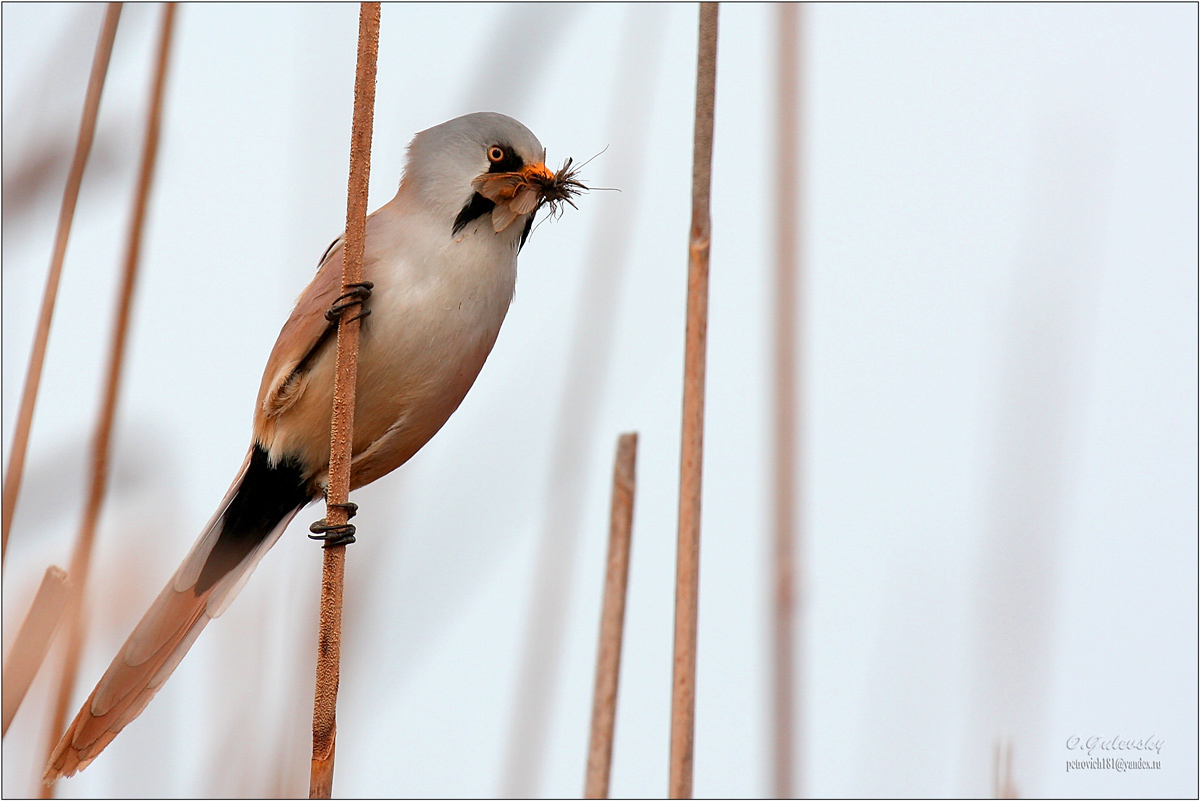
(999, 320)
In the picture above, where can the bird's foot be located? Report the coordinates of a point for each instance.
(335, 535)
(356, 295)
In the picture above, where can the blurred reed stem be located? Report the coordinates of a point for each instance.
(787, 404)
(33, 640)
(1002, 769)
(66, 214)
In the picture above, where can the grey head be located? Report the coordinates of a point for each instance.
(446, 164)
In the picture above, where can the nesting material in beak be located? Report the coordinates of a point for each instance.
(526, 190)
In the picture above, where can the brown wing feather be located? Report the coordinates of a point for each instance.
(302, 336)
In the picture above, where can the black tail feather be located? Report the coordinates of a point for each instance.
(266, 495)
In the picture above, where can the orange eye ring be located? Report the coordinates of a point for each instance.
(495, 154)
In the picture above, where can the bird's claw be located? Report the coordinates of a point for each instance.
(356, 295)
(332, 535)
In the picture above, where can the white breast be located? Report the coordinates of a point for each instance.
(436, 310)
(436, 301)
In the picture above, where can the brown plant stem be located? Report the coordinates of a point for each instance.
(33, 640)
(612, 619)
(342, 426)
(33, 377)
(787, 369)
(687, 576)
(81, 557)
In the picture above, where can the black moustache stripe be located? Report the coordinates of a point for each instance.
(478, 207)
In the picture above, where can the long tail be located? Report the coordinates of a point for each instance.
(254, 513)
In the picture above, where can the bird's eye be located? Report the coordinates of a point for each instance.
(495, 154)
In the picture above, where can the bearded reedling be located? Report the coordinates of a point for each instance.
(439, 270)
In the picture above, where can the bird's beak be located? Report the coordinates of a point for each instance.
(537, 174)
(515, 193)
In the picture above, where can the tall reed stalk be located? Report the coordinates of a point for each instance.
(329, 647)
(683, 696)
(66, 214)
(787, 406)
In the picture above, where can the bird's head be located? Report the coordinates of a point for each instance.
(485, 165)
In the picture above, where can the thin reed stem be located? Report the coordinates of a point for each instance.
(329, 647)
(33, 640)
(786, 534)
(81, 557)
(687, 577)
(612, 619)
(33, 377)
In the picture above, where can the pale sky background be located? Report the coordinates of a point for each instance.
(999, 339)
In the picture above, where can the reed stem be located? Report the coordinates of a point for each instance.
(787, 371)
(66, 214)
(342, 426)
(612, 619)
(687, 577)
(33, 640)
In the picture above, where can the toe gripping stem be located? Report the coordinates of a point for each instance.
(335, 535)
(356, 295)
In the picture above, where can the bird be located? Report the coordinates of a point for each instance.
(439, 273)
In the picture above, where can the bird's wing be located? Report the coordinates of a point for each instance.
(307, 332)
(157, 645)
(303, 336)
